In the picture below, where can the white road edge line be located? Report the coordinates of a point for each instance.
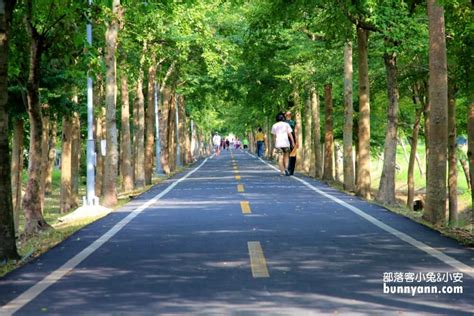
(14, 305)
(458, 265)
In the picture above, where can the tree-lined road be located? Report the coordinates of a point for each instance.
(234, 237)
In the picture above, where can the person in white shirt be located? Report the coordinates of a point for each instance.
(216, 141)
(283, 141)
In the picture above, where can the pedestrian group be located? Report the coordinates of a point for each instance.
(285, 135)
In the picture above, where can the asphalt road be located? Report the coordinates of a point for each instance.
(235, 238)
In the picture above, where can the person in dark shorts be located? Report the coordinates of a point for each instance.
(294, 128)
(283, 142)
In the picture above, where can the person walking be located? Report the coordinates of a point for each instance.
(216, 141)
(283, 142)
(245, 143)
(294, 128)
(260, 138)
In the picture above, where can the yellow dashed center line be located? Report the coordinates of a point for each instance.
(237, 178)
(258, 264)
(240, 188)
(245, 206)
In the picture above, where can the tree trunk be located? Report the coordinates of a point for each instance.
(421, 98)
(470, 150)
(386, 192)
(150, 124)
(356, 151)
(75, 158)
(194, 142)
(111, 161)
(420, 168)
(187, 141)
(44, 156)
(338, 158)
(126, 146)
(328, 173)
(200, 145)
(172, 132)
(316, 133)
(98, 100)
(363, 164)
(465, 169)
(401, 142)
(299, 132)
(8, 248)
(268, 140)
(139, 133)
(99, 136)
(452, 162)
(34, 220)
(348, 164)
(435, 206)
(182, 128)
(203, 143)
(17, 168)
(308, 140)
(51, 156)
(251, 139)
(165, 109)
(426, 114)
(411, 161)
(66, 166)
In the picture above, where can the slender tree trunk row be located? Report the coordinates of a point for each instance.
(435, 125)
(43, 130)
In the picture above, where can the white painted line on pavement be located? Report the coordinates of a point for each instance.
(458, 265)
(14, 305)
